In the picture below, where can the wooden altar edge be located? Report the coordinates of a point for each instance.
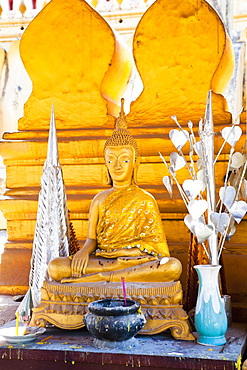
(66, 349)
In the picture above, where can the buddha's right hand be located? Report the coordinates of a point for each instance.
(79, 263)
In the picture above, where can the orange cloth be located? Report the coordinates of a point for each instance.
(130, 218)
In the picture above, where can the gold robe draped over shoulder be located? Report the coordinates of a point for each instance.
(130, 218)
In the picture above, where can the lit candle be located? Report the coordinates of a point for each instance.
(16, 322)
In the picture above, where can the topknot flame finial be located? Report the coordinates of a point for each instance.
(121, 122)
(121, 136)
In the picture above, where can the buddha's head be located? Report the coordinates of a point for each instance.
(121, 153)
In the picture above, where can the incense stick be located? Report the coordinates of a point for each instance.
(124, 291)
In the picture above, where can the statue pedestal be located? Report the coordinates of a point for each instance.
(64, 305)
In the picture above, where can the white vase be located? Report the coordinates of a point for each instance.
(210, 315)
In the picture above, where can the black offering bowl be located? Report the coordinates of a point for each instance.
(113, 323)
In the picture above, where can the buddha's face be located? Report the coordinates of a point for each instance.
(120, 161)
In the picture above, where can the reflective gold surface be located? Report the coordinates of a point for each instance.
(125, 233)
(77, 58)
(125, 239)
(181, 50)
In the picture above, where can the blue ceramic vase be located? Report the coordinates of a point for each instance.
(210, 315)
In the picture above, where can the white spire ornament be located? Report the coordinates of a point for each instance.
(51, 237)
(207, 140)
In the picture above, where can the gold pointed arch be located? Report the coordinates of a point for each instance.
(73, 59)
(181, 51)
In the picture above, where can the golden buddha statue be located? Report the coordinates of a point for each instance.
(125, 233)
(125, 239)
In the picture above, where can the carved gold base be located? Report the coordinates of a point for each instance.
(64, 305)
